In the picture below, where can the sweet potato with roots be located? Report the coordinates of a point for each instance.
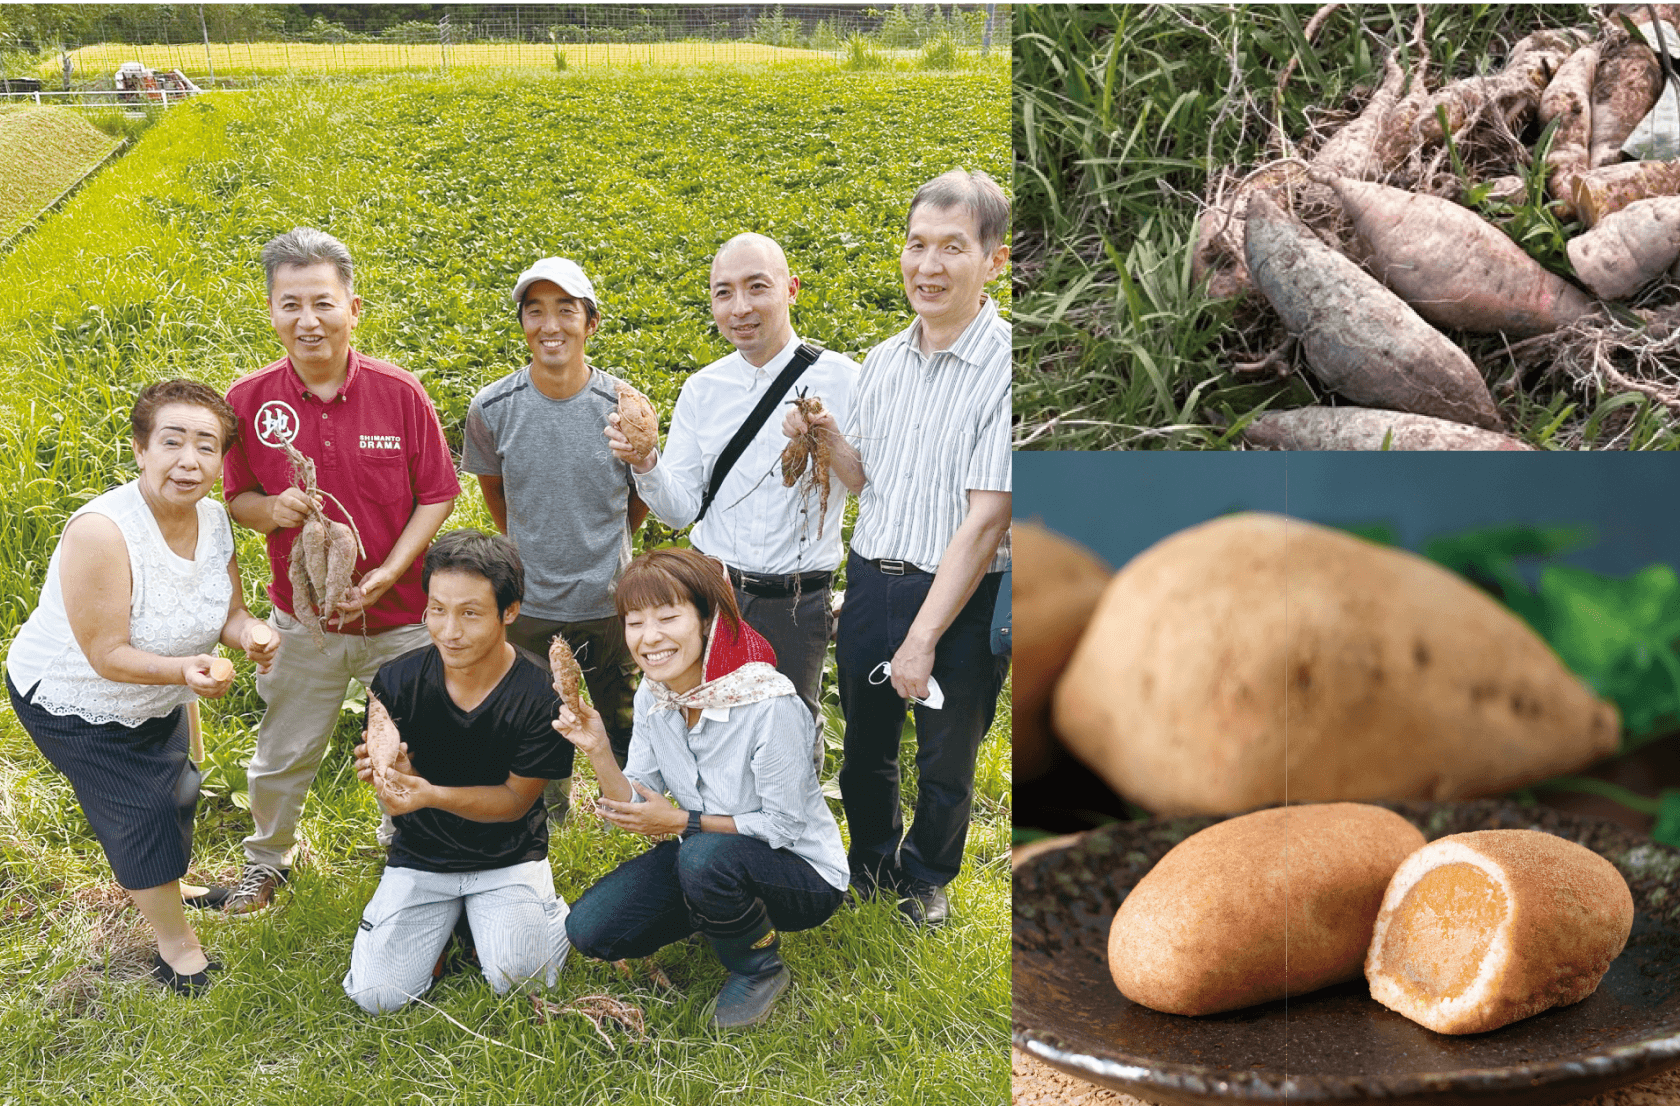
(1512, 93)
(1360, 339)
(323, 555)
(384, 747)
(1456, 269)
(1365, 428)
(568, 677)
(1629, 248)
(807, 456)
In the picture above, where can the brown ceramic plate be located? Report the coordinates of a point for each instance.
(1335, 1045)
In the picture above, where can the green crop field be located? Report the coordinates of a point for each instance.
(444, 192)
(43, 151)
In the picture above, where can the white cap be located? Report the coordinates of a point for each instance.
(567, 274)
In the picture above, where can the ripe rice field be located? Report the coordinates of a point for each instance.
(43, 151)
(444, 192)
(291, 59)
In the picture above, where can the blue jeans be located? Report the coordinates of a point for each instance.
(703, 883)
(873, 624)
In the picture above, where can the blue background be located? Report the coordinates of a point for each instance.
(1118, 504)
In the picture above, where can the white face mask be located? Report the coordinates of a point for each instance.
(882, 672)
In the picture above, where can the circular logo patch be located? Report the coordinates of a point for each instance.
(277, 423)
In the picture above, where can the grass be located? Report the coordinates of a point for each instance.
(1123, 115)
(43, 151)
(877, 1013)
(444, 193)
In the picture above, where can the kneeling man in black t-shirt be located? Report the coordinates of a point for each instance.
(475, 717)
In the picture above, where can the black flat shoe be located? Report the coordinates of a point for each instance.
(190, 985)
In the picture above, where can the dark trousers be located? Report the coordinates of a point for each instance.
(873, 624)
(134, 783)
(798, 630)
(609, 672)
(678, 887)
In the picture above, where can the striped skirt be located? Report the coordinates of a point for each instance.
(135, 784)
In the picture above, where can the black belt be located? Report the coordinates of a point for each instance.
(889, 567)
(767, 585)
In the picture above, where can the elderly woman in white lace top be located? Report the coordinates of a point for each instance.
(142, 586)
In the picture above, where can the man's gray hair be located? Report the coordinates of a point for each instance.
(304, 246)
(978, 193)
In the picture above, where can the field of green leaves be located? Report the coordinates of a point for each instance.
(444, 193)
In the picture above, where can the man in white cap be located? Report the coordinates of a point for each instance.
(721, 465)
(533, 439)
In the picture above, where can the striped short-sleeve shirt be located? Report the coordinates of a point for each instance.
(930, 429)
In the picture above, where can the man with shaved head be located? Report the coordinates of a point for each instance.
(780, 555)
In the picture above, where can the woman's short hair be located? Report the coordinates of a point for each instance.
(491, 556)
(181, 390)
(674, 576)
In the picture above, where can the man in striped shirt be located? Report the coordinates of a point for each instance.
(927, 452)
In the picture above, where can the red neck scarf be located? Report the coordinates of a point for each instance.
(737, 668)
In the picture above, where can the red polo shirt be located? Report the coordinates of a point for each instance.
(377, 446)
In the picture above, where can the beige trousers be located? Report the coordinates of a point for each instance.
(304, 693)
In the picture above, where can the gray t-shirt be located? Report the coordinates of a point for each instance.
(568, 498)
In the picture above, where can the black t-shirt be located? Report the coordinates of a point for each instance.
(509, 732)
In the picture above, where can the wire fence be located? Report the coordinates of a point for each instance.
(71, 47)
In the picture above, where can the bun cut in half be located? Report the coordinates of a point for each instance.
(1478, 930)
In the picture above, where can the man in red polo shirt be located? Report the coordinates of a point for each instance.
(379, 451)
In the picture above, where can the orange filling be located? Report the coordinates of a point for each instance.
(1435, 942)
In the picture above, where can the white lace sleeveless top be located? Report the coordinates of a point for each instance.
(177, 609)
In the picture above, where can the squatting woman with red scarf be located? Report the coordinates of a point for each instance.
(727, 737)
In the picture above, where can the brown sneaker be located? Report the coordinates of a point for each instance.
(255, 889)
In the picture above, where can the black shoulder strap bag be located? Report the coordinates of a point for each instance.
(803, 358)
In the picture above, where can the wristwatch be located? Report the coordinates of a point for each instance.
(693, 825)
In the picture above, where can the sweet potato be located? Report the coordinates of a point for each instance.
(221, 668)
(1359, 338)
(1253, 908)
(1350, 428)
(384, 745)
(1512, 93)
(1452, 266)
(637, 419)
(312, 540)
(1382, 134)
(261, 635)
(1257, 652)
(305, 604)
(1624, 91)
(568, 677)
(1481, 929)
(1568, 99)
(1598, 192)
(341, 564)
(1056, 585)
(1628, 248)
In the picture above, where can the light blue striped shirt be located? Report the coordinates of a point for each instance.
(930, 429)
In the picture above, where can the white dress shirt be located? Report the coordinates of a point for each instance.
(754, 524)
